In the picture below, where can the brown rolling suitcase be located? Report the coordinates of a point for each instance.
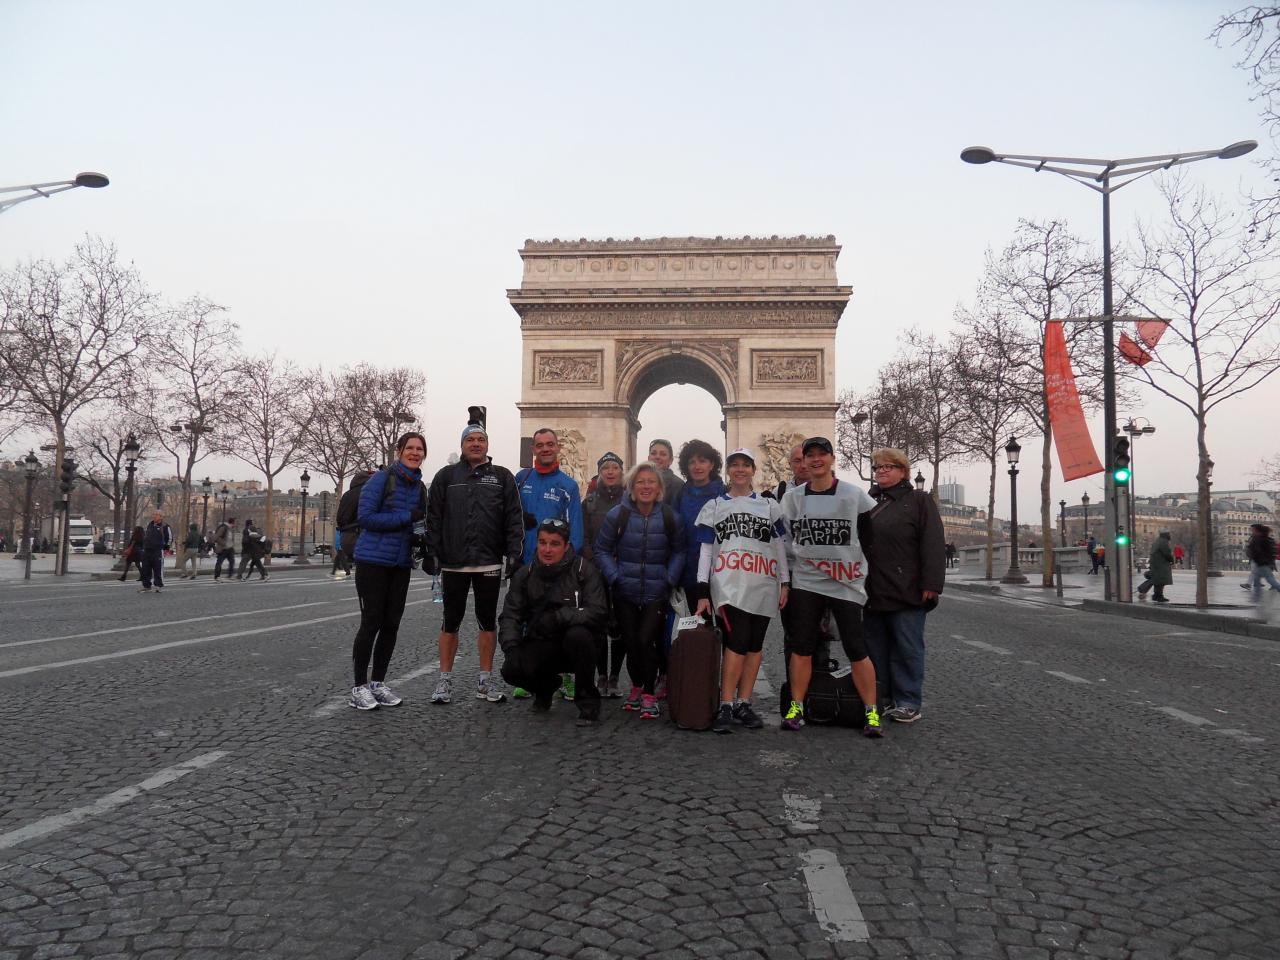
(693, 675)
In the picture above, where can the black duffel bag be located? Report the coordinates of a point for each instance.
(832, 697)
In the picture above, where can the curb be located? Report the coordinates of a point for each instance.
(972, 587)
(1241, 626)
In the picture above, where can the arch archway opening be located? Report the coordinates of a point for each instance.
(679, 412)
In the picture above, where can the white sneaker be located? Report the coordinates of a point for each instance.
(490, 690)
(444, 691)
(382, 693)
(362, 698)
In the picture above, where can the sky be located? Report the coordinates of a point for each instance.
(353, 182)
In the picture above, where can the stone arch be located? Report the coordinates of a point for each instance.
(605, 324)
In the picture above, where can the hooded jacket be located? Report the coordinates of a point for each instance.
(473, 516)
(386, 522)
(905, 548)
(1160, 562)
(571, 590)
(688, 505)
(596, 507)
(641, 566)
(1261, 549)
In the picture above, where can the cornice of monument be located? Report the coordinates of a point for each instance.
(804, 243)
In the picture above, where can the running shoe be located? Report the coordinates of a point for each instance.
(602, 685)
(904, 714)
(634, 700)
(723, 722)
(567, 686)
(794, 718)
(745, 715)
(382, 693)
(144, 589)
(490, 689)
(541, 704)
(649, 709)
(362, 698)
(588, 716)
(871, 727)
(660, 688)
(520, 693)
(444, 691)
(615, 691)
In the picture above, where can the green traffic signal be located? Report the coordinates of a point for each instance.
(1122, 474)
(1122, 539)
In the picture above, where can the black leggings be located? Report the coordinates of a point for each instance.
(128, 565)
(742, 632)
(382, 592)
(641, 628)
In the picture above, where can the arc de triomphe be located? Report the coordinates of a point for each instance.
(607, 323)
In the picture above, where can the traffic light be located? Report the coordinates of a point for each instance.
(1120, 470)
(68, 475)
(1122, 537)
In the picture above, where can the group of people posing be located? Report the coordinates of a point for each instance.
(595, 584)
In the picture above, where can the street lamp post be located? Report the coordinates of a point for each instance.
(919, 480)
(1014, 574)
(33, 190)
(868, 416)
(206, 488)
(1062, 521)
(131, 451)
(223, 496)
(302, 522)
(32, 466)
(1210, 569)
(1084, 502)
(1106, 177)
(1135, 427)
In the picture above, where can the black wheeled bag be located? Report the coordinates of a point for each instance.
(693, 677)
(832, 698)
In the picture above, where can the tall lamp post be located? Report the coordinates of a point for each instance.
(32, 190)
(131, 451)
(206, 488)
(302, 522)
(223, 496)
(1106, 177)
(1135, 427)
(31, 465)
(1062, 520)
(868, 416)
(1014, 574)
(1084, 502)
(1211, 569)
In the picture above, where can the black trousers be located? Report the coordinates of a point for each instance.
(382, 592)
(247, 564)
(228, 555)
(537, 664)
(152, 568)
(642, 628)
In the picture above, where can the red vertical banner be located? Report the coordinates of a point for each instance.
(1076, 454)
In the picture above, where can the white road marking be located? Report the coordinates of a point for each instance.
(335, 705)
(831, 899)
(1244, 736)
(1069, 677)
(1186, 717)
(37, 668)
(989, 647)
(166, 623)
(47, 825)
(801, 812)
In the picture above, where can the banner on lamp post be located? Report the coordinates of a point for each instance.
(1076, 453)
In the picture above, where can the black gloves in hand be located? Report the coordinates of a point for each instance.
(416, 516)
(431, 565)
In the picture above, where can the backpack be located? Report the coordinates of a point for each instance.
(390, 487)
(668, 522)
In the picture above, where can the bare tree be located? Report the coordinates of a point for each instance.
(72, 333)
(189, 389)
(994, 388)
(884, 416)
(100, 442)
(1269, 470)
(384, 402)
(1214, 281)
(941, 408)
(1256, 30)
(1044, 274)
(268, 421)
(334, 441)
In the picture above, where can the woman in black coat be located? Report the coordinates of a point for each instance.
(132, 555)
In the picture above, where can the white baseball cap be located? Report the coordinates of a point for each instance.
(741, 452)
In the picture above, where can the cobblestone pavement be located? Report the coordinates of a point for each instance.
(184, 782)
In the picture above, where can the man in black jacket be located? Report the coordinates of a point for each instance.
(1261, 551)
(554, 612)
(475, 527)
(156, 539)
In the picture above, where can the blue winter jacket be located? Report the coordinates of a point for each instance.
(640, 566)
(544, 495)
(688, 505)
(385, 529)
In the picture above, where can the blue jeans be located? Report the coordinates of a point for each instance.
(896, 644)
(1258, 573)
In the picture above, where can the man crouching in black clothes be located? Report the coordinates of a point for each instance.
(554, 611)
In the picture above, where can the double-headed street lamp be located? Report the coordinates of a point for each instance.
(32, 190)
(31, 465)
(206, 488)
(1014, 574)
(1106, 177)
(302, 522)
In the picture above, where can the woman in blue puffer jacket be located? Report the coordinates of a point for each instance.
(392, 502)
(641, 562)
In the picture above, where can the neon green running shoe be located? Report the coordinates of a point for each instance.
(520, 693)
(872, 726)
(794, 718)
(567, 687)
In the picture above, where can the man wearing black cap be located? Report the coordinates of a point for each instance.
(827, 521)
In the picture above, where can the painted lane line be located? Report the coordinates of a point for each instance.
(831, 899)
(1244, 736)
(335, 705)
(1069, 677)
(801, 812)
(990, 648)
(21, 671)
(1186, 717)
(117, 798)
(167, 623)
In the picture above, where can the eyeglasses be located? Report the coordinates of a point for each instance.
(881, 467)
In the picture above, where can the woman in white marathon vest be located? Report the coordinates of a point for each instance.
(826, 523)
(742, 576)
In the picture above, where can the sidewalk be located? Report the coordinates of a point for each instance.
(89, 566)
(1230, 610)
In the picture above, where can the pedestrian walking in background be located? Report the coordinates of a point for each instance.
(1091, 548)
(607, 494)
(640, 551)
(253, 546)
(340, 569)
(189, 563)
(1261, 551)
(743, 578)
(906, 554)
(132, 555)
(554, 612)
(662, 455)
(1159, 569)
(474, 529)
(224, 549)
(1179, 555)
(392, 502)
(156, 539)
